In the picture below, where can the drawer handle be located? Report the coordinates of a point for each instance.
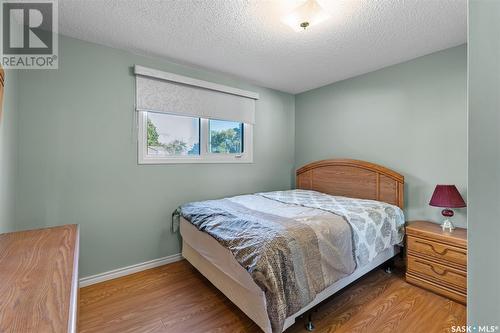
(432, 268)
(441, 253)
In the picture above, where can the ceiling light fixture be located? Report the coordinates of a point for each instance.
(306, 15)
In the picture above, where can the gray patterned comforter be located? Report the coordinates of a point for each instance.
(376, 225)
(291, 259)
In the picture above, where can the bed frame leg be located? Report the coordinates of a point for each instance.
(388, 266)
(309, 324)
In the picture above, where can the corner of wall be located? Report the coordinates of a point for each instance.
(8, 151)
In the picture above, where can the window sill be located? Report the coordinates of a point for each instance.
(194, 160)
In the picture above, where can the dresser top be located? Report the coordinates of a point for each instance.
(38, 274)
(426, 229)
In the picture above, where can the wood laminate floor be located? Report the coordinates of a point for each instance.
(176, 298)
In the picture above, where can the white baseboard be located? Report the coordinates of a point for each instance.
(119, 272)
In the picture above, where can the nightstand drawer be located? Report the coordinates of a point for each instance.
(437, 250)
(437, 288)
(438, 273)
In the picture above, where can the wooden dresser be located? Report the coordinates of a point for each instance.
(39, 280)
(437, 260)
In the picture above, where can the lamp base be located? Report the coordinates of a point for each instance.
(447, 225)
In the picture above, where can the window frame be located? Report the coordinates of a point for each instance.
(204, 157)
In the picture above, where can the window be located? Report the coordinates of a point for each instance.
(169, 135)
(166, 138)
(185, 120)
(226, 137)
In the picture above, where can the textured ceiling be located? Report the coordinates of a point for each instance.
(247, 39)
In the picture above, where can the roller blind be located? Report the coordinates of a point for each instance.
(158, 91)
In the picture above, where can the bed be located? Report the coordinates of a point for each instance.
(339, 178)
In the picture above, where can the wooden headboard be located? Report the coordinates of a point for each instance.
(352, 178)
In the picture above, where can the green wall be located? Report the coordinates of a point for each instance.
(484, 163)
(8, 151)
(411, 117)
(78, 159)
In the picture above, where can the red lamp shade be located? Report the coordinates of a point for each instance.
(447, 196)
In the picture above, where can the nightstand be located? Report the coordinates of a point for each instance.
(437, 260)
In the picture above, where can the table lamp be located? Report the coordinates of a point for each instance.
(447, 196)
